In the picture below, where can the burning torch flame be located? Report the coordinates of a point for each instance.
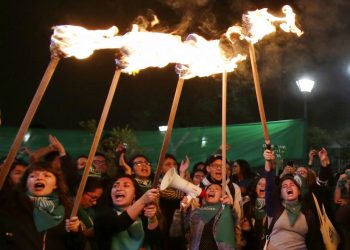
(257, 24)
(194, 57)
(205, 58)
(69, 40)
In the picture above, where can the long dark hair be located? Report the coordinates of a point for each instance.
(62, 188)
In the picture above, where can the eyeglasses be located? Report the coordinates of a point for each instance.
(140, 163)
(92, 197)
(216, 166)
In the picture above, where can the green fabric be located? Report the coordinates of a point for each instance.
(198, 143)
(225, 229)
(47, 212)
(224, 224)
(293, 209)
(207, 212)
(130, 239)
(85, 217)
(259, 211)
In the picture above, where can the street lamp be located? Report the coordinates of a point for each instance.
(305, 86)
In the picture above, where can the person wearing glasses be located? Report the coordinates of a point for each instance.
(86, 213)
(142, 171)
(214, 169)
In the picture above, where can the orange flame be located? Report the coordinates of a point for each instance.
(257, 24)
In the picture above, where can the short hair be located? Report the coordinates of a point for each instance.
(62, 188)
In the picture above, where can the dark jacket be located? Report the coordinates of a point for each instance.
(18, 231)
(108, 224)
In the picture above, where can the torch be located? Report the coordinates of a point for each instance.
(55, 58)
(256, 25)
(66, 41)
(94, 145)
(199, 58)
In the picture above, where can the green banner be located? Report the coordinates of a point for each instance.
(245, 140)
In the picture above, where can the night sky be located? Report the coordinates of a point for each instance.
(78, 88)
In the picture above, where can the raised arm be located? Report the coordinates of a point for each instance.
(272, 192)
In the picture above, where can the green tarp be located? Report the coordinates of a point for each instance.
(245, 140)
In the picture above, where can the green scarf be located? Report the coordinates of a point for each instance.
(259, 211)
(47, 211)
(293, 209)
(86, 217)
(130, 239)
(224, 222)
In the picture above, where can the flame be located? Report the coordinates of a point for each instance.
(205, 58)
(141, 49)
(257, 24)
(194, 57)
(69, 40)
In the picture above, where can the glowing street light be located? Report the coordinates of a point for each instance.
(305, 86)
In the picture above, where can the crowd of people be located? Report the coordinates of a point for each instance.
(270, 209)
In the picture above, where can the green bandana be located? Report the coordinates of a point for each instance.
(293, 209)
(224, 223)
(259, 210)
(47, 211)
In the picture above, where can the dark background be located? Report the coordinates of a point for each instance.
(78, 89)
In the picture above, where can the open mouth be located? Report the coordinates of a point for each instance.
(119, 197)
(39, 186)
(211, 195)
(289, 192)
(262, 191)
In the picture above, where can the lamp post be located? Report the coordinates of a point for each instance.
(305, 86)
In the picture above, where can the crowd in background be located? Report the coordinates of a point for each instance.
(268, 209)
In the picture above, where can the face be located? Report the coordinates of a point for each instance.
(100, 163)
(41, 183)
(215, 169)
(198, 177)
(81, 162)
(16, 174)
(289, 190)
(260, 188)
(213, 194)
(123, 193)
(302, 171)
(142, 168)
(289, 169)
(89, 199)
(236, 169)
(168, 164)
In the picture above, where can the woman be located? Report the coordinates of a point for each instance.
(242, 175)
(118, 226)
(292, 224)
(255, 219)
(34, 217)
(142, 171)
(212, 226)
